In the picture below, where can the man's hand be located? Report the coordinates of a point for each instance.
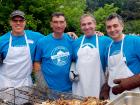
(72, 34)
(126, 84)
(104, 94)
(73, 75)
(98, 33)
(39, 78)
(120, 87)
(36, 67)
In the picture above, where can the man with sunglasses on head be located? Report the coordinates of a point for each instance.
(17, 48)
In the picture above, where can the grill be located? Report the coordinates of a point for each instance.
(31, 96)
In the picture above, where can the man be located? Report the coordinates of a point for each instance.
(17, 49)
(123, 59)
(54, 55)
(89, 56)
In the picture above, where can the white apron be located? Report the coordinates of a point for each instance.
(117, 69)
(17, 67)
(90, 71)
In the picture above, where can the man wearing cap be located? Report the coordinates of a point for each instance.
(17, 48)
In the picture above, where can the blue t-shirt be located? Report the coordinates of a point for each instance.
(17, 41)
(55, 56)
(131, 51)
(103, 42)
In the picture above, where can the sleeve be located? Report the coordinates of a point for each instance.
(106, 45)
(38, 51)
(71, 40)
(108, 41)
(40, 35)
(4, 45)
(34, 35)
(136, 47)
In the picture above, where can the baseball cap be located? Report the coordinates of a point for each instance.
(17, 13)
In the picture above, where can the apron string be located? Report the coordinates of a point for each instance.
(97, 45)
(10, 42)
(121, 51)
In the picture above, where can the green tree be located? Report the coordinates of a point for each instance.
(132, 26)
(93, 5)
(73, 11)
(102, 13)
(131, 10)
(5, 8)
(38, 13)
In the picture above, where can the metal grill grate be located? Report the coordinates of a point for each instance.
(32, 95)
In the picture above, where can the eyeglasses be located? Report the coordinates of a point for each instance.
(18, 20)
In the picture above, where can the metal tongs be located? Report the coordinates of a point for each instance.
(73, 75)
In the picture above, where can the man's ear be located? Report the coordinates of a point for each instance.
(25, 21)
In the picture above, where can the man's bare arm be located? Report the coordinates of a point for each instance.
(36, 67)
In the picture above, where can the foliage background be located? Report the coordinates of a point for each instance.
(38, 13)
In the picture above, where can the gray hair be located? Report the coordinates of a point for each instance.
(115, 15)
(88, 15)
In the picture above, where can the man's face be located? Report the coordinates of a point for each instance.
(88, 26)
(58, 24)
(114, 28)
(18, 25)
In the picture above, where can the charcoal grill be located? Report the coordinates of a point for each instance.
(31, 95)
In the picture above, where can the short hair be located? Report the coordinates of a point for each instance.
(57, 14)
(115, 15)
(88, 15)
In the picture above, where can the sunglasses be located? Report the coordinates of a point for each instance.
(18, 20)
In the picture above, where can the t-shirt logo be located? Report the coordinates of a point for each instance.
(116, 52)
(88, 44)
(60, 56)
(88, 52)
